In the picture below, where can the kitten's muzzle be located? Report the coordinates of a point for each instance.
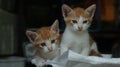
(79, 28)
(50, 49)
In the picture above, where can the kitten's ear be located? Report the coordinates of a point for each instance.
(91, 10)
(66, 10)
(55, 26)
(31, 35)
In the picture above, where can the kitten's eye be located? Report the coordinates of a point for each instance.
(74, 21)
(52, 41)
(43, 44)
(84, 21)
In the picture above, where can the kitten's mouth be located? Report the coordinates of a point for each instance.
(80, 30)
(50, 50)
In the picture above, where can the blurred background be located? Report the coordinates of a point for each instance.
(17, 16)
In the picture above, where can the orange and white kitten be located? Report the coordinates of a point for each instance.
(76, 36)
(46, 42)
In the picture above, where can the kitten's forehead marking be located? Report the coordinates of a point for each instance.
(44, 33)
(48, 41)
(81, 19)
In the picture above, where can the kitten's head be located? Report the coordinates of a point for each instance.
(45, 39)
(78, 19)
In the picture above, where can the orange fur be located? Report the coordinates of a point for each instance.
(45, 33)
(79, 19)
(46, 40)
(81, 12)
(76, 13)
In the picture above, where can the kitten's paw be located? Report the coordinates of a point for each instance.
(47, 65)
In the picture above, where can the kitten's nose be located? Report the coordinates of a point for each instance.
(50, 49)
(79, 28)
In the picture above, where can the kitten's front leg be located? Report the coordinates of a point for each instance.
(63, 49)
(94, 50)
(38, 62)
(85, 51)
(94, 47)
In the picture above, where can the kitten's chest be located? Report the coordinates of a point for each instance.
(76, 42)
(69, 38)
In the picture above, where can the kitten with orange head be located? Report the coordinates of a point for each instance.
(46, 41)
(76, 36)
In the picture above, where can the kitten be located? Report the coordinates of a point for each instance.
(116, 50)
(46, 41)
(76, 36)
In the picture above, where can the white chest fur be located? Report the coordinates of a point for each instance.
(76, 41)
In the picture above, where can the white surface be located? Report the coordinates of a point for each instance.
(72, 59)
(107, 55)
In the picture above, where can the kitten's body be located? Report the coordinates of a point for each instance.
(46, 41)
(76, 36)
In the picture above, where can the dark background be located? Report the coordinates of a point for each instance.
(38, 13)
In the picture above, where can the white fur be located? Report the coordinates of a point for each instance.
(39, 62)
(80, 23)
(47, 51)
(76, 41)
(94, 47)
(45, 55)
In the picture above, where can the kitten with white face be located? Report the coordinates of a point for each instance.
(76, 36)
(46, 41)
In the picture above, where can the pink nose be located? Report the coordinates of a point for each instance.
(79, 28)
(50, 49)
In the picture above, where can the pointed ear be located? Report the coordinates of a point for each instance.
(91, 10)
(66, 10)
(55, 27)
(31, 35)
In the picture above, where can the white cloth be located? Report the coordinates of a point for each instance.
(72, 59)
